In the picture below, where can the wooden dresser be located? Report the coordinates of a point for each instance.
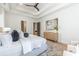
(51, 36)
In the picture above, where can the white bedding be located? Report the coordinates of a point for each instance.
(37, 41)
(11, 50)
(22, 46)
(28, 44)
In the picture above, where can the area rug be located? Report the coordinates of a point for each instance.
(54, 49)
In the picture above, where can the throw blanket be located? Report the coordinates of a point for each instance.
(37, 41)
(28, 44)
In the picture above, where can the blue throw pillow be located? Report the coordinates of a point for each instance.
(26, 34)
(15, 35)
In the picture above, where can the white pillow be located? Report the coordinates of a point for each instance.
(21, 35)
(5, 39)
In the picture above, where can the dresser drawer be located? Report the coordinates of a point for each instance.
(51, 36)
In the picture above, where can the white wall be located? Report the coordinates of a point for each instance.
(13, 21)
(68, 19)
(1, 17)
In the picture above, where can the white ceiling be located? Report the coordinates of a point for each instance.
(22, 7)
(30, 3)
(43, 7)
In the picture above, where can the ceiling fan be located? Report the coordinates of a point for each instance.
(33, 5)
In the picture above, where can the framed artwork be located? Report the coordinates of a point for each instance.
(52, 24)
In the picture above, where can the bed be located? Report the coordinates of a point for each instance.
(31, 46)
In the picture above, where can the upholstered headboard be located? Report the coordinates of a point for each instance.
(1, 29)
(4, 29)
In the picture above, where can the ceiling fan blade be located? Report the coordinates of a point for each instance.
(29, 5)
(36, 5)
(37, 8)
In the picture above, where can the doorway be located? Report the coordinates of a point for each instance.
(23, 26)
(36, 28)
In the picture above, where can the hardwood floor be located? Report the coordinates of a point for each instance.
(54, 49)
